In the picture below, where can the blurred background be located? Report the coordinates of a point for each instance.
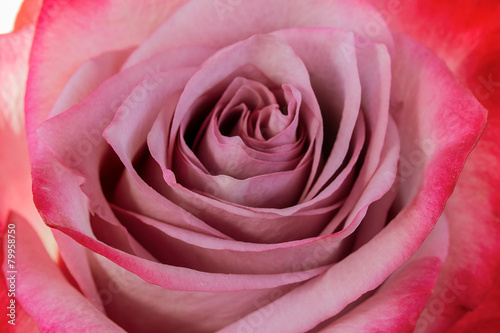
(8, 13)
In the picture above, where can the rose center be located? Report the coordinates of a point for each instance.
(254, 118)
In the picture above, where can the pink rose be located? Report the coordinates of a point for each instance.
(249, 166)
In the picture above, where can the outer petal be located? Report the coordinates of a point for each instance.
(485, 318)
(71, 32)
(14, 166)
(23, 323)
(74, 257)
(466, 37)
(139, 306)
(46, 295)
(247, 18)
(15, 180)
(404, 294)
(477, 197)
(28, 13)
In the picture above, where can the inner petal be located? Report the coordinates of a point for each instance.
(253, 115)
(277, 125)
(249, 59)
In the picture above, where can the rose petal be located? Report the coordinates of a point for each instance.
(469, 46)
(337, 87)
(485, 318)
(370, 101)
(51, 192)
(274, 59)
(397, 302)
(255, 225)
(14, 175)
(69, 33)
(184, 248)
(236, 221)
(74, 256)
(248, 18)
(274, 190)
(20, 321)
(142, 307)
(478, 277)
(88, 146)
(422, 204)
(235, 154)
(44, 292)
(15, 178)
(124, 134)
(173, 126)
(90, 75)
(28, 14)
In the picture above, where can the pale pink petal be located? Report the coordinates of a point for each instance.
(375, 78)
(336, 82)
(396, 304)
(244, 223)
(247, 18)
(273, 190)
(379, 107)
(15, 178)
(71, 32)
(225, 146)
(139, 306)
(75, 259)
(14, 166)
(90, 75)
(228, 221)
(180, 247)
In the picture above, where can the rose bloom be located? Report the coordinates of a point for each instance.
(250, 166)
